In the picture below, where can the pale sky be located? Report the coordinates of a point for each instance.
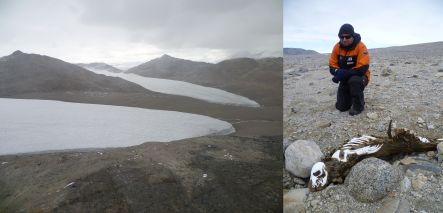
(134, 31)
(314, 24)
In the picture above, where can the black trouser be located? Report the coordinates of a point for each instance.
(350, 93)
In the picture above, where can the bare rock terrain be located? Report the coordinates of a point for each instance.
(406, 87)
(206, 174)
(240, 172)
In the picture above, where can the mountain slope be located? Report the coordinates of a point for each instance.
(100, 66)
(171, 68)
(260, 80)
(298, 51)
(25, 73)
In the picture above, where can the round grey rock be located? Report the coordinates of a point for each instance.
(300, 156)
(372, 179)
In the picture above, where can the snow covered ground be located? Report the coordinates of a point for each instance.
(183, 88)
(41, 125)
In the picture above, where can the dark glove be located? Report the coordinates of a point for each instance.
(340, 75)
(333, 71)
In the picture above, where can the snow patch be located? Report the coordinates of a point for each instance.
(182, 88)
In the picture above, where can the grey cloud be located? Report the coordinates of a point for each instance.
(230, 24)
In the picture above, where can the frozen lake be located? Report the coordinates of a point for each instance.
(182, 88)
(41, 125)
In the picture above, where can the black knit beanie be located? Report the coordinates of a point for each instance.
(346, 29)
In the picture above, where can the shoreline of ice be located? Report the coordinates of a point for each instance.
(43, 125)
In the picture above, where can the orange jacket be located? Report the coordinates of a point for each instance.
(356, 58)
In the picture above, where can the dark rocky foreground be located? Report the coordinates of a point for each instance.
(206, 174)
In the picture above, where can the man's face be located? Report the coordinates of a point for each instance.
(346, 39)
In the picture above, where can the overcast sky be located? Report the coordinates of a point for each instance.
(314, 24)
(134, 31)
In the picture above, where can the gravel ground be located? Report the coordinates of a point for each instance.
(406, 86)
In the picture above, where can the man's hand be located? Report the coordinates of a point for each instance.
(339, 75)
(333, 71)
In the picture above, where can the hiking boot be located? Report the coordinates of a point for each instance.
(353, 111)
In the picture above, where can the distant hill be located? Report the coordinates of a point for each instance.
(171, 68)
(298, 51)
(27, 73)
(426, 49)
(100, 66)
(259, 79)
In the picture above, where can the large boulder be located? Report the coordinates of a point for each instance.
(300, 156)
(372, 179)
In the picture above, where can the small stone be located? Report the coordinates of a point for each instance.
(420, 120)
(418, 182)
(389, 205)
(439, 74)
(293, 110)
(405, 184)
(71, 185)
(293, 200)
(430, 154)
(299, 181)
(404, 206)
(425, 166)
(315, 203)
(311, 83)
(372, 115)
(407, 161)
(323, 124)
(440, 148)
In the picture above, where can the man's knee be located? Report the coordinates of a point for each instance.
(356, 85)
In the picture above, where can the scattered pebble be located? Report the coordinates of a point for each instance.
(406, 94)
(418, 182)
(430, 154)
(71, 184)
(372, 115)
(407, 161)
(323, 124)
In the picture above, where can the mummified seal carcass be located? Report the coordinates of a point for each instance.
(336, 167)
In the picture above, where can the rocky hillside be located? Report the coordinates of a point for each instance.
(27, 73)
(406, 87)
(100, 66)
(298, 51)
(205, 174)
(259, 79)
(169, 67)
